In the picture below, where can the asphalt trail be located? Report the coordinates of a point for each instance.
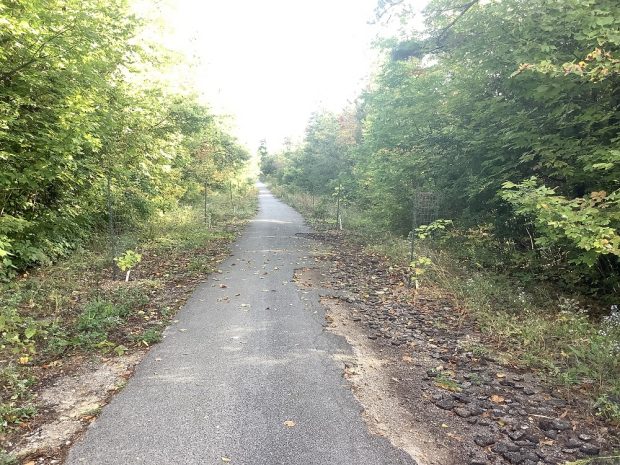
(241, 361)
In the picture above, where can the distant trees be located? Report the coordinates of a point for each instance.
(84, 125)
(509, 111)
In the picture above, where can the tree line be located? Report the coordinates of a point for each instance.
(88, 129)
(508, 111)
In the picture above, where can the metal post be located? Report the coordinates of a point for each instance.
(338, 223)
(112, 237)
(205, 202)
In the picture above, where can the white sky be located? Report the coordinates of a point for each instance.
(271, 63)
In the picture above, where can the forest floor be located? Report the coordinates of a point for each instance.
(430, 381)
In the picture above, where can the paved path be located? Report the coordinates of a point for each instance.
(241, 361)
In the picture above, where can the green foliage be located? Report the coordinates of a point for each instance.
(427, 230)
(588, 225)
(128, 260)
(323, 160)
(11, 415)
(6, 459)
(149, 336)
(608, 408)
(418, 268)
(445, 381)
(89, 131)
(18, 334)
(473, 125)
(96, 320)
(15, 397)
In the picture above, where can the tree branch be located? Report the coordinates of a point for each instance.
(36, 55)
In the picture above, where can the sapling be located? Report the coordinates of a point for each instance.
(127, 261)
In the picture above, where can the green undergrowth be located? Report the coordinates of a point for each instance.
(568, 339)
(81, 305)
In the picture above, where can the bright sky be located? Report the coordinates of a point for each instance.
(271, 63)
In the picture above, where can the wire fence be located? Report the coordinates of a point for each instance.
(424, 210)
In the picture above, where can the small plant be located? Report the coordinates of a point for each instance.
(97, 318)
(608, 408)
(18, 333)
(7, 459)
(149, 336)
(120, 350)
(11, 414)
(474, 346)
(426, 230)
(444, 381)
(127, 261)
(475, 379)
(15, 383)
(418, 268)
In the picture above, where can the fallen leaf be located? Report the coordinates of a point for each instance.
(455, 436)
(497, 399)
(289, 423)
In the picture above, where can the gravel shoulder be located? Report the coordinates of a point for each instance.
(452, 403)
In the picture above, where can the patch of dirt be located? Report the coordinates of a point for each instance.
(308, 277)
(368, 373)
(70, 401)
(427, 382)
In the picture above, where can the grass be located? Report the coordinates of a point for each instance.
(445, 381)
(6, 459)
(525, 322)
(76, 306)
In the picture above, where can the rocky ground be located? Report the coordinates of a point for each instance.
(472, 409)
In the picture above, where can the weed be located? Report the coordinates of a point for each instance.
(97, 318)
(445, 381)
(15, 383)
(58, 340)
(473, 346)
(92, 412)
(200, 264)
(7, 459)
(133, 296)
(149, 336)
(608, 408)
(475, 379)
(12, 414)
